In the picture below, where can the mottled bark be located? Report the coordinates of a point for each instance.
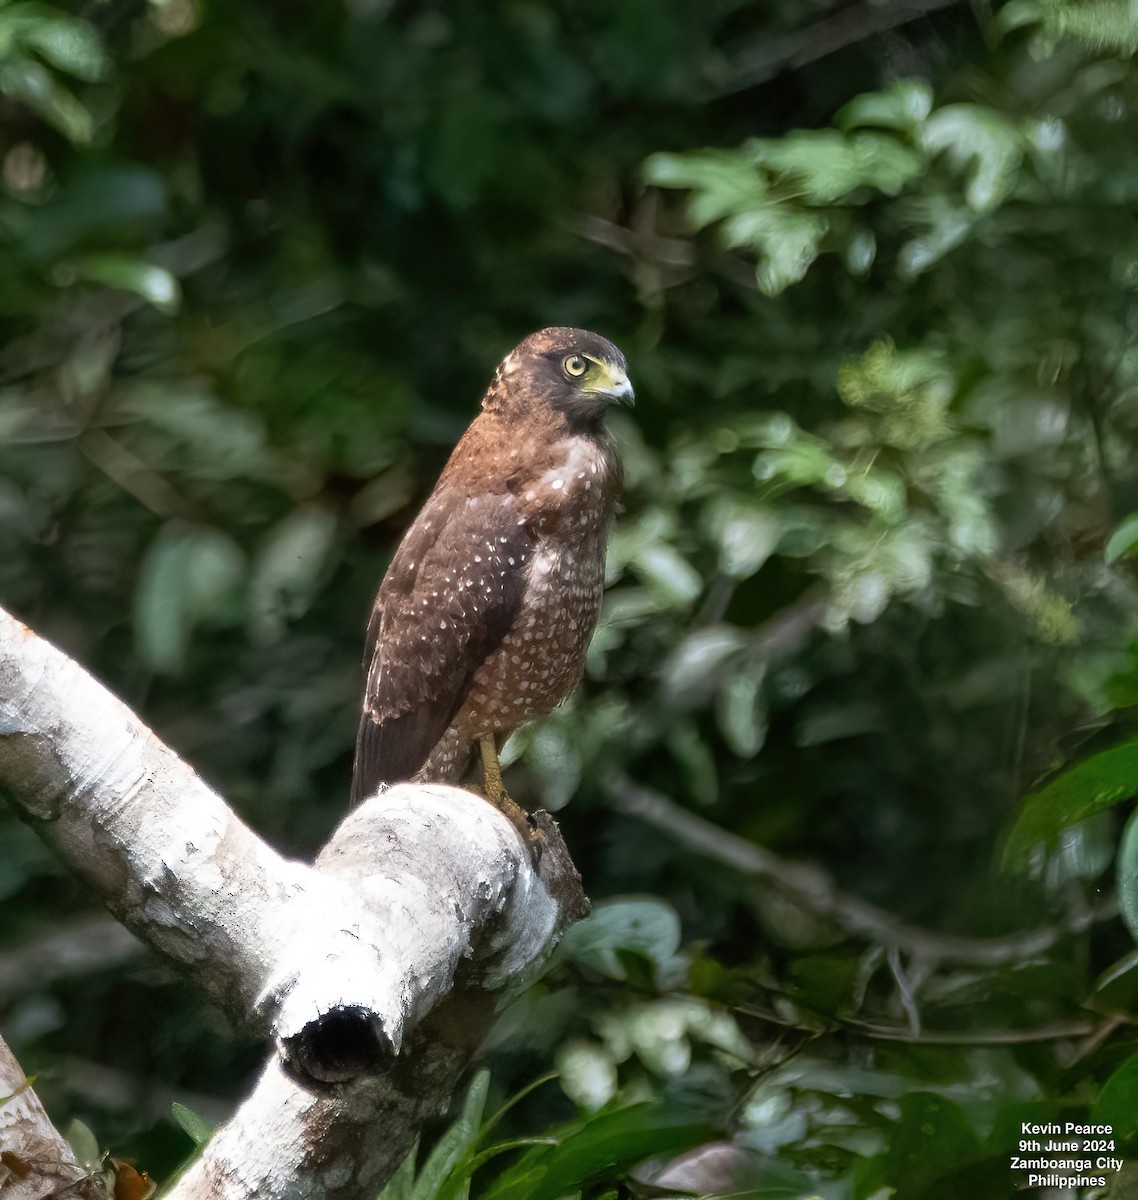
(35, 1160)
(375, 970)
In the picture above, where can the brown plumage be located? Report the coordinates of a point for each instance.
(485, 613)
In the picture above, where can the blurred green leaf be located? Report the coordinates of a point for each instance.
(588, 1075)
(195, 1127)
(741, 711)
(85, 1145)
(827, 165)
(648, 926)
(401, 1185)
(1123, 541)
(30, 83)
(190, 575)
(722, 182)
(1127, 868)
(1117, 1102)
(694, 669)
(288, 569)
(1088, 787)
(943, 225)
(746, 533)
(66, 42)
(982, 141)
(665, 570)
(930, 1139)
(456, 1144)
(152, 283)
(1103, 24)
(901, 107)
(606, 1144)
(908, 391)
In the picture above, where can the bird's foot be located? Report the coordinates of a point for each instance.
(495, 791)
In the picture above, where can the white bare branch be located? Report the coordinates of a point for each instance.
(375, 969)
(36, 1160)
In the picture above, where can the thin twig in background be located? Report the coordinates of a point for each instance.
(74, 949)
(813, 887)
(766, 58)
(133, 475)
(1057, 1031)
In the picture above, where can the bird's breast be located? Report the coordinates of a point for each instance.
(542, 657)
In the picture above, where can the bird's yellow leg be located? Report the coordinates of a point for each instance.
(492, 787)
(495, 791)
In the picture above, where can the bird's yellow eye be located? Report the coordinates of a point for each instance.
(575, 366)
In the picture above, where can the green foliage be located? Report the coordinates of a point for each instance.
(1117, 1103)
(38, 42)
(874, 575)
(791, 199)
(1104, 24)
(600, 1145)
(195, 1127)
(595, 1148)
(1124, 540)
(1087, 788)
(647, 927)
(446, 1164)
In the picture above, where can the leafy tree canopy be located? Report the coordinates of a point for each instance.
(844, 777)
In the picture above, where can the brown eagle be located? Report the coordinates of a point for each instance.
(485, 613)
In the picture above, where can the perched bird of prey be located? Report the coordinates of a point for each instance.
(485, 613)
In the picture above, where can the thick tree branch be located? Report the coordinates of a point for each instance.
(35, 1160)
(374, 969)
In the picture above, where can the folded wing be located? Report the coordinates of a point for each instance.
(453, 591)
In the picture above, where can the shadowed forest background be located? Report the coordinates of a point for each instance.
(845, 776)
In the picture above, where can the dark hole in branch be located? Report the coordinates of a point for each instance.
(340, 1046)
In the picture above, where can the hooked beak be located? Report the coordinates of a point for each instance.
(614, 385)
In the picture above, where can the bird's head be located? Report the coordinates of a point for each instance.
(573, 371)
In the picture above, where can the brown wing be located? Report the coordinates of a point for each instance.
(452, 592)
